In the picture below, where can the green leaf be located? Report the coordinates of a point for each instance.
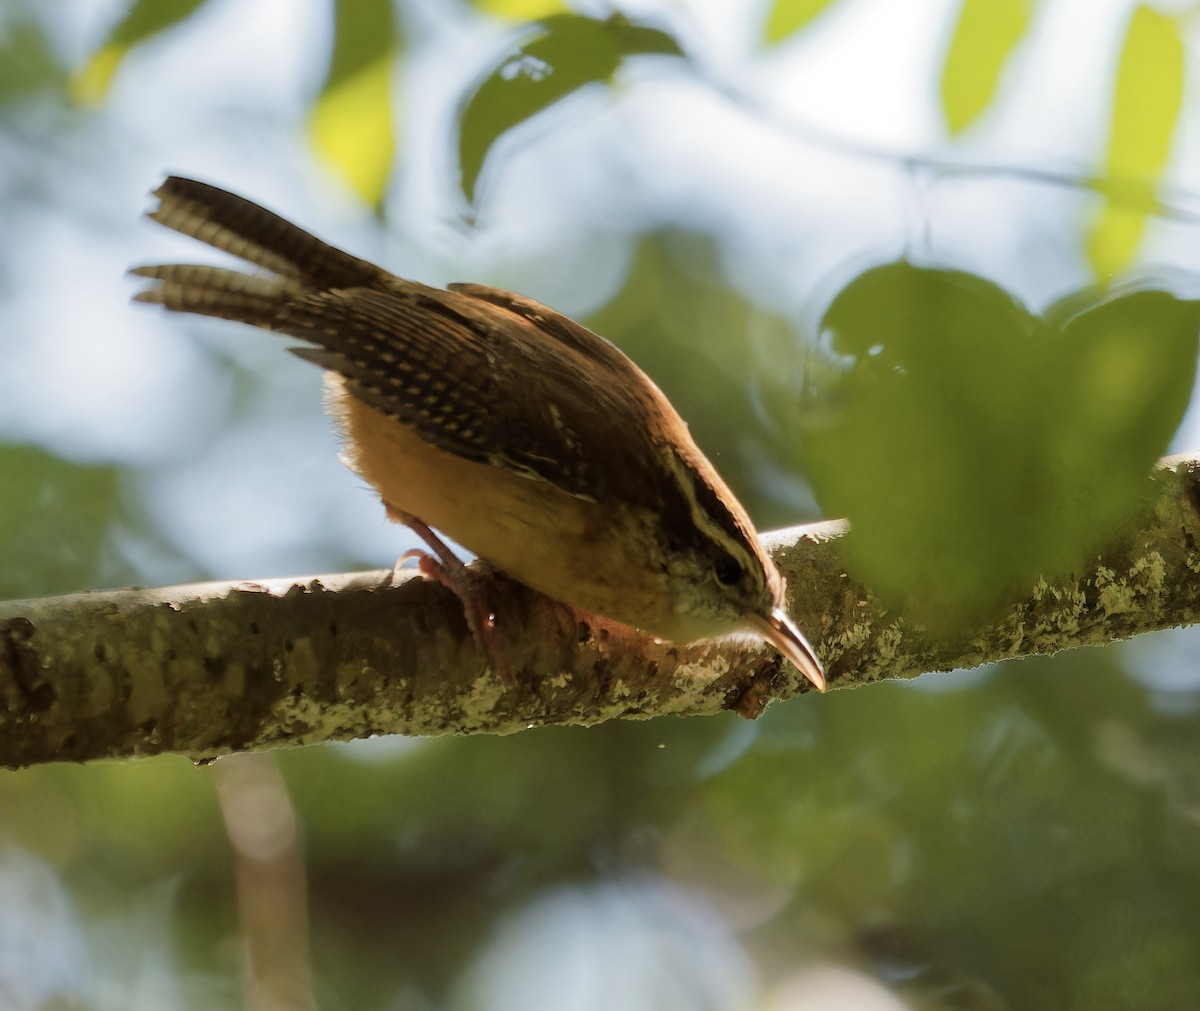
(566, 53)
(54, 521)
(351, 126)
(976, 446)
(1147, 99)
(1133, 359)
(984, 38)
(788, 16)
(89, 85)
(27, 60)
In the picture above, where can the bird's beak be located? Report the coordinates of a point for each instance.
(781, 632)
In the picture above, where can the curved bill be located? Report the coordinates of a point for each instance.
(781, 632)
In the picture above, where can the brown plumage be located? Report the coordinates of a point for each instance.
(521, 434)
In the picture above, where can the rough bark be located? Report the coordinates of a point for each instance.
(213, 668)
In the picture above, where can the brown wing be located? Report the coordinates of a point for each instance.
(483, 382)
(484, 373)
(587, 343)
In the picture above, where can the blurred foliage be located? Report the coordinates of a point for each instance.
(352, 123)
(1147, 99)
(565, 53)
(787, 17)
(1028, 823)
(985, 36)
(521, 10)
(990, 446)
(55, 521)
(1024, 838)
(704, 343)
(143, 20)
(28, 63)
(1001, 840)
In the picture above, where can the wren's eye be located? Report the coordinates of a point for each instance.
(727, 570)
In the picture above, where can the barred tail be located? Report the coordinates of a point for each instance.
(297, 261)
(218, 291)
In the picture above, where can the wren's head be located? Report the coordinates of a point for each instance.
(722, 580)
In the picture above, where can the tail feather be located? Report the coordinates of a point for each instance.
(218, 291)
(252, 233)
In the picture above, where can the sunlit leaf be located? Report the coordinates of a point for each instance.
(978, 446)
(1146, 102)
(984, 38)
(521, 10)
(788, 16)
(90, 84)
(566, 53)
(352, 123)
(351, 130)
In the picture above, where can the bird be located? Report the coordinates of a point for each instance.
(499, 423)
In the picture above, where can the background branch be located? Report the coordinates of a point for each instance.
(212, 668)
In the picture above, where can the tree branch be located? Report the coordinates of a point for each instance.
(212, 668)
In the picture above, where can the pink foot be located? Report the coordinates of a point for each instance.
(470, 586)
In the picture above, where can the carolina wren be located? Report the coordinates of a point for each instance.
(515, 431)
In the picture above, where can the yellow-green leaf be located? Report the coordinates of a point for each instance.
(351, 130)
(90, 83)
(985, 35)
(352, 126)
(788, 16)
(1147, 98)
(521, 10)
